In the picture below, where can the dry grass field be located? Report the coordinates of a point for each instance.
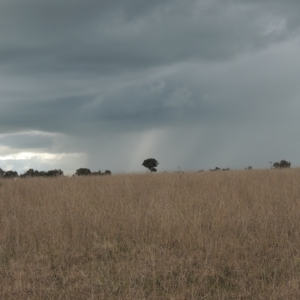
(210, 235)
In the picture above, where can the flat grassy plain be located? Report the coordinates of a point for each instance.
(209, 235)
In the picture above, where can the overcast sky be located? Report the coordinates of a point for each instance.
(105, 84)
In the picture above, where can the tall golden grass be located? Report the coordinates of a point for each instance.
(210, 235)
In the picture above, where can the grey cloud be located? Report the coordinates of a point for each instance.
(52, 116)
(201, 80)
(27, 141)
(102, 36)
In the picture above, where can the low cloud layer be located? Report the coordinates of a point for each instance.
(107, 84)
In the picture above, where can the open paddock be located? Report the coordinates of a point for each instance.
(207, 235)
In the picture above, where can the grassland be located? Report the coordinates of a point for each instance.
(210, 235)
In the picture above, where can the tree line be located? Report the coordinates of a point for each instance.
(150, 163)
(51, 173)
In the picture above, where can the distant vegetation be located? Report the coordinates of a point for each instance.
(85, 172)
(150, 164)
(8, 174)
(218, 169)
(282, 164)
(35, 173)
(52, 173)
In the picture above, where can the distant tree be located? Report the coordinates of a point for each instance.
(32, 173)
(10, 174)
(54, 173)
(99, 173)
(215, 169)
(28, 173)
(282, 164)
(150, 164)
(36, 173)
(83, 172)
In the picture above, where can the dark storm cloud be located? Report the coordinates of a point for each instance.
(27, 141)
(121, 77)
(114, 36)
(54, 115)
(156, 106)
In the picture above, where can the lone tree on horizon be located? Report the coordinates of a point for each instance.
(150, 164)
